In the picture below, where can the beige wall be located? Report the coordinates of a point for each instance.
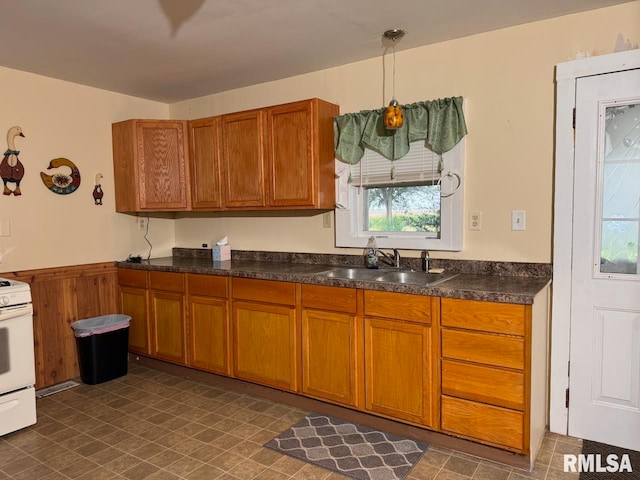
(507, 80)
(62, 119)
(505, 76)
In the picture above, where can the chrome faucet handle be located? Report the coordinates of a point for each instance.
(425, 260)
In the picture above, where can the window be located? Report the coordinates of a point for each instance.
(415, 202)
(619, 200)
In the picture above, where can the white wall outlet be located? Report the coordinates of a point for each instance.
(142, 223)
(475, 221)
(518, 220)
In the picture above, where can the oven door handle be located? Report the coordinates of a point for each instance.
(9, 313)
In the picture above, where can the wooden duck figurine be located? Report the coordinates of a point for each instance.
(11, 169)
(61, 183)
(97, 190)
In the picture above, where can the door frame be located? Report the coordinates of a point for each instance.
(567, 74)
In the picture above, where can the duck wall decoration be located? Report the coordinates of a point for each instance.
(97, 190)
(11, 168)
(60, 182)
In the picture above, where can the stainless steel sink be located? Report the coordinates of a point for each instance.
(389, 276)
(354, 273)
(414, 278)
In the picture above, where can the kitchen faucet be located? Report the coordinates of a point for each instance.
(395, 261)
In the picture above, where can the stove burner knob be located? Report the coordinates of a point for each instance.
(4, 300)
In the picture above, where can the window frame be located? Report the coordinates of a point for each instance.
(349, 218)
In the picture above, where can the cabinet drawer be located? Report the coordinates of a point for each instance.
(171, 282)
(132, 278)
(498, 350)
(401, 306)
(495, 425)
(207, 285)
(504, 388)
(485, 316)
(336, 299)
(267, 291)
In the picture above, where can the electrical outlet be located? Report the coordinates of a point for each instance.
(518, 220)
(142, 223)
(475, 221)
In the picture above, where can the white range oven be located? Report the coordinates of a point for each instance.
(17, 364)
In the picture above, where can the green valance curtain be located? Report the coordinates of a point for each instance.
(439, 122)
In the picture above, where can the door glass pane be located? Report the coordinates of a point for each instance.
(621, 190)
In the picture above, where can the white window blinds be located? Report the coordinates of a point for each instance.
(419, 165)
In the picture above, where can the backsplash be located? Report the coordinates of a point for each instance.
(470, 267)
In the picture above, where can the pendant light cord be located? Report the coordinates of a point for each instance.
(393, 88)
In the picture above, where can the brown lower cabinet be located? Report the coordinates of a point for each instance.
(266, 326)
(471, 369)
(167, 317)
(400, 356)
(487, 373)
(332, 344)
(209, 331)
(134, 301)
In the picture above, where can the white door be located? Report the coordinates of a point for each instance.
(604, 382)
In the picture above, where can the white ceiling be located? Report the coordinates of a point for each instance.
(171, 50)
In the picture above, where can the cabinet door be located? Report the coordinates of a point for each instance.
(209, 334)
(204, 142)
(243, 159)
(331, 364)
(266, 344)
(168, 326)
(133, 302)
(292, 176)
(161, 155)
(398, 370)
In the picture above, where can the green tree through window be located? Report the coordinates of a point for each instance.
(405, 208)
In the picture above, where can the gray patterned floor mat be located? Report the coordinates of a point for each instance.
(349, 449)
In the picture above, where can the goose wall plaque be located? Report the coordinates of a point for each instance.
(11, 169)
(61, 182)
(97, 190)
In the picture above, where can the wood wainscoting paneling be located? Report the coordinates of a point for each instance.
(62, 295)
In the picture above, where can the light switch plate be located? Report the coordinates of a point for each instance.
(518, 220)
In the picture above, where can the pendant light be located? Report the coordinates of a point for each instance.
(393, 115)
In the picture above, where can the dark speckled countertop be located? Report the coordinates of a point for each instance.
(485, 281)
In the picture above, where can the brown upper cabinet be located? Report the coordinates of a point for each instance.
(274, 158)
(150, 169)
(279, 157)
(204, 159)
(301, 155)
(243, 159)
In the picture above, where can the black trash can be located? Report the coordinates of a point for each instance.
(102, 344)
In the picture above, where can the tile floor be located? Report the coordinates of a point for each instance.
(152, 425)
